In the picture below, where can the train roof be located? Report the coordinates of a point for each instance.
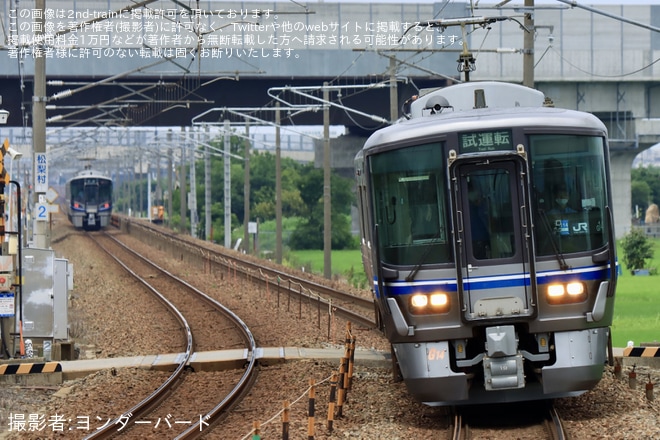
(452, 109)
(89, 173)
(466, 96)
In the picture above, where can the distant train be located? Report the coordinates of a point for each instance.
(89, 200)
(487, 230)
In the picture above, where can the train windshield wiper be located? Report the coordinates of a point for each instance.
(428, 246)
(555, 247)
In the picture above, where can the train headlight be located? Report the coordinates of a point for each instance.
(575, 289)
(439, 300)
(556, 291)
(421, 303)
(565, 293)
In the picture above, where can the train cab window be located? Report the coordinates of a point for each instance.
(105, 191)
(489, 213)
(78, 192)
(408, 189)
(92, 194)
(570, 193)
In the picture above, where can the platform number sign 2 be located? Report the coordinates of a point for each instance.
(41, 212)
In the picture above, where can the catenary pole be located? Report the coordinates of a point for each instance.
(278, 186)
(227, 205)
(528, 45)
(40, 170)
(246, 190)
(327, 203)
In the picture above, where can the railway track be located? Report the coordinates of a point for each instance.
(358, 309)
(528, 420)
(202, 319)
(376, 409)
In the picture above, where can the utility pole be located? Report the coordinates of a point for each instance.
(192, 195)
(208, 222)
(246, 190)
(227, 205)
(528, 45)
(278, 186)
(149, 191)
(138, 187)
(394, 99)
(327, 202)
(40, 161)
(183, 191)
(170, 180)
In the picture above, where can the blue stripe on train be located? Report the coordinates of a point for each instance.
(586, 273)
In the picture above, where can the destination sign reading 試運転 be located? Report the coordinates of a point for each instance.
(484, 141)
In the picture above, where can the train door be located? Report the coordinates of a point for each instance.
(493, 241)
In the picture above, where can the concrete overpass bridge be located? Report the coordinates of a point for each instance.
(134, 68)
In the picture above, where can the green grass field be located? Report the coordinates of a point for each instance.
(636, 308)
(342, 262)
(637, 305)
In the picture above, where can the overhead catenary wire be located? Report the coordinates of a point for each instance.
(622, 75)
(575, 4)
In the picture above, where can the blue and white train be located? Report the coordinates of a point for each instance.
(486, 228)
(89, 200)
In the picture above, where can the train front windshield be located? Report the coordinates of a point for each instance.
(409, 190)
(568, 197)
(92, 192)
(569, 193)
(78, 192)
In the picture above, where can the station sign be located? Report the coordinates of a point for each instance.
(41, 173)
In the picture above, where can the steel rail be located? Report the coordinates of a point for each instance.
(555, 424)
(258, 272)
(247, 379)
(110, 428)
(198, 428)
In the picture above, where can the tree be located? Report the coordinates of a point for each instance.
(302, 197)
(640, 195)
(651, 176)
(637, 248)
(309, 232)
